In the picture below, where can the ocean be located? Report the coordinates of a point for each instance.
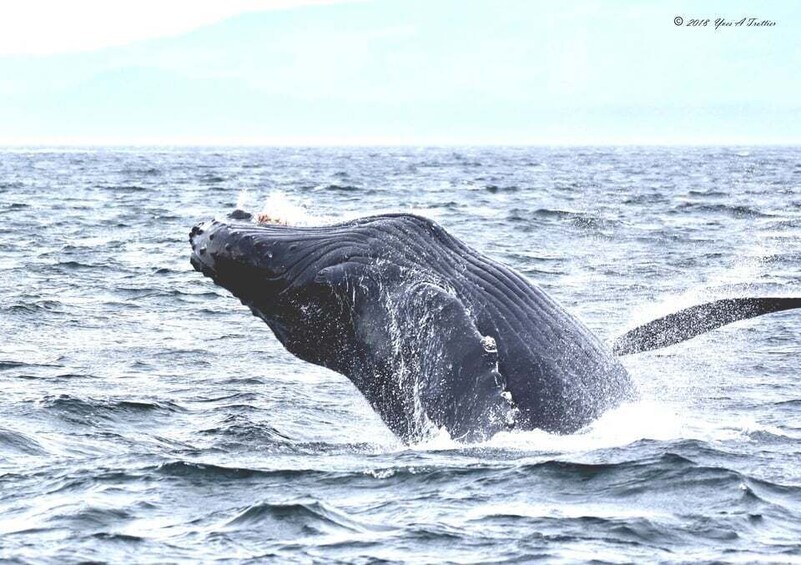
(147, 416)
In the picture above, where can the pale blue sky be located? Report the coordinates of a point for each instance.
(399, 71)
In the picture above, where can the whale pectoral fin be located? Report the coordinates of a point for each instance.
(690, 322)
(343, 276)
(459, 385)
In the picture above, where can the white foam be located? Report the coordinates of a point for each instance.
(627, 424)
(284, 209)
(437, 440)
(622, 426)
(280, 207)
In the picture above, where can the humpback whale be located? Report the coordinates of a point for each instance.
(433, 333)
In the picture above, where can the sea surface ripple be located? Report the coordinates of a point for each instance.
(146, 416)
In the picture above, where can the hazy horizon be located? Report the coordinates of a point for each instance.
(386, 72)
(44, 144)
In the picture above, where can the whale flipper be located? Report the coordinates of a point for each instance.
(696, 320)
(462, 389)
(431, 365)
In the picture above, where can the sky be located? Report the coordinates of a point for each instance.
(337, 72)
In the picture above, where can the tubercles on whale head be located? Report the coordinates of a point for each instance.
(230, 253)
(272, 269)
(258, 262)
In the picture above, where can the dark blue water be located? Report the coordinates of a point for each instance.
(146, 416)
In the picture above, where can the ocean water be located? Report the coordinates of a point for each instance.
(146, 416)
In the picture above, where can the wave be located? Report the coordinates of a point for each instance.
(166, 271)
(125, 188)
(36, 306)
(15, 205)
(582, 220)
(494, 188)
(343, 187)
(94, 516)
(303, 517)
(212, 179)
(251, 434)
(90, 411)
(117, 537)
(20, 443)
(214, 472)
(736, 211)
(710, 193)
(74, 265)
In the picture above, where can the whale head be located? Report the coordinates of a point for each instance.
(273, 269)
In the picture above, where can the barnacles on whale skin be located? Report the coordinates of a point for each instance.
(264, 218)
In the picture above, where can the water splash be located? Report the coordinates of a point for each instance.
(733, 280)
(242, 199)
(280, 208)
(625, 425)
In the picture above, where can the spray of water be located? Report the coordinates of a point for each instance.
(731, 281)
(242, 199)
(280, 208)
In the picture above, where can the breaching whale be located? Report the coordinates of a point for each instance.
(433, 333)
